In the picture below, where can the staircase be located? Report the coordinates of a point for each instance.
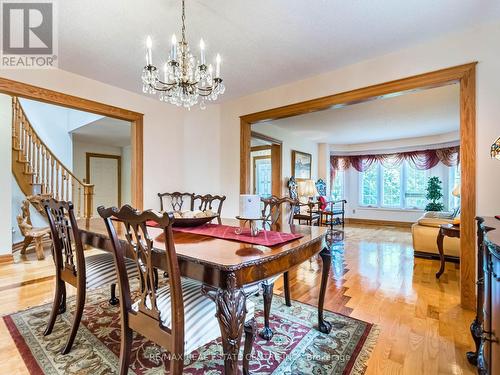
(38, 171)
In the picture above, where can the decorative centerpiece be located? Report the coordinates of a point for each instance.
(193, 218)
(250, 211)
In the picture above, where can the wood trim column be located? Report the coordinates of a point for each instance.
(276, 183)
(468, 188)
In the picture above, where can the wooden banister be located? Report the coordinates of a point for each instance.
(38, 165)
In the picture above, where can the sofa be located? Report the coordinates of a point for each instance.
(425, 232)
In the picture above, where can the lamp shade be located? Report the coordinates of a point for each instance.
(456, 191)
(495, 149)
(307, 188)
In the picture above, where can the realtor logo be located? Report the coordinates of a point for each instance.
(28, 34)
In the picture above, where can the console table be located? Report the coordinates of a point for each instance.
(486, 326)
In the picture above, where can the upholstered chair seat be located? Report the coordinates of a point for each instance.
(199, 313)
(100, 270)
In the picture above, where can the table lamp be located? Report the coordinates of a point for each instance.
(495, 149)
(307, 189)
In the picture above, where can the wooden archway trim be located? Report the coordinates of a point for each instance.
(23, 90)
(465, 75)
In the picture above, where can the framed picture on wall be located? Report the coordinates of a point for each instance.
(301, 165)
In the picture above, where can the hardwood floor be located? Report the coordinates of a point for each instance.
(374, 277)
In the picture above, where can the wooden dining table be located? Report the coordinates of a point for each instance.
(226, 266)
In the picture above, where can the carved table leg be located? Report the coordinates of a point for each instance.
(267, 333)
(326, 257)
(440, 239)
(476, 330)
(231, 312)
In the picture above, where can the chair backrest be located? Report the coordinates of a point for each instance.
(321, 187)
(68, 248)
(209, 202)
(273, 207)
(176, 201)
(140, 246)
(293, 193)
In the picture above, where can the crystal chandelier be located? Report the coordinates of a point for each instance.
(184, 81)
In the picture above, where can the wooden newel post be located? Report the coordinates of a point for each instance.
(88, 201)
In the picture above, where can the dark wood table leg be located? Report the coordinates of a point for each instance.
(440, 240)
(231, 312)
(326, 257)
(267, 333)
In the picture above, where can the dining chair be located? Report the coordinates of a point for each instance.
(176, 316)
(74, 268)
(272, 210)
(176, 201)
(210, 202)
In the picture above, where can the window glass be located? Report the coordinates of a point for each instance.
(338, 186)
(369, 186)
(416, 183)
(391, 187)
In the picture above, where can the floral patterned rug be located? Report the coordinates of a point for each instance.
(296, 347)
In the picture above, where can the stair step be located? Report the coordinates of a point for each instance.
(30, 173)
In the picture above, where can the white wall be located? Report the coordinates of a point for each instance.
(479, 44)
(290, 142)
(126, 175)
(5, 174)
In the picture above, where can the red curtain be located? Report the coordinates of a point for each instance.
(421, 160)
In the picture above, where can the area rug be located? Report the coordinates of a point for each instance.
(296, 347)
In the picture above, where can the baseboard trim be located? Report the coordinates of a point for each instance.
(447, 258)
(7, 258)
(387, 223)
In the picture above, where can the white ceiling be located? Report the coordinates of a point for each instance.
(263, 43)
(105, 131)
(419, 114)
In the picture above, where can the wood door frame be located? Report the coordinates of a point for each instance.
(24, 90)
(465, 76)
(276, 160)
(260, 157)
(89, 155)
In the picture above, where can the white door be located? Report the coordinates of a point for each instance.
(104, 175)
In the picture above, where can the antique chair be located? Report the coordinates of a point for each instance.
(74, 268)
(332, 212)
(31, 233)
(176, 201)
(309, 212)
(176, 316)
(210, 202)
(271, 213)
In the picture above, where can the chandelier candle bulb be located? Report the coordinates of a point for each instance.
(173, 51)
(217, 66)
(149, 55)
(165, 72)
(202, 52)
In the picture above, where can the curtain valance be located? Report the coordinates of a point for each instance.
(422, 160)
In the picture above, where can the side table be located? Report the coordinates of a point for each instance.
(448, 230)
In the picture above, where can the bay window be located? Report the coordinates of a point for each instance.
(399, 187)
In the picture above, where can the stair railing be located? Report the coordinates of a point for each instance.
(48, 174)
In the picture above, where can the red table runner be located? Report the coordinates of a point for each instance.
(226, 232)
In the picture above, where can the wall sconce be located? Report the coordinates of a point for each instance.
(495, 149)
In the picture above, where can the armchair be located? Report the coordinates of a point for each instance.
(310, 210)
(332, 211)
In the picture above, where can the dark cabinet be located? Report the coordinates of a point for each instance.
(486, 327)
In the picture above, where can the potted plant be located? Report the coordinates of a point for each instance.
(434, 195)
